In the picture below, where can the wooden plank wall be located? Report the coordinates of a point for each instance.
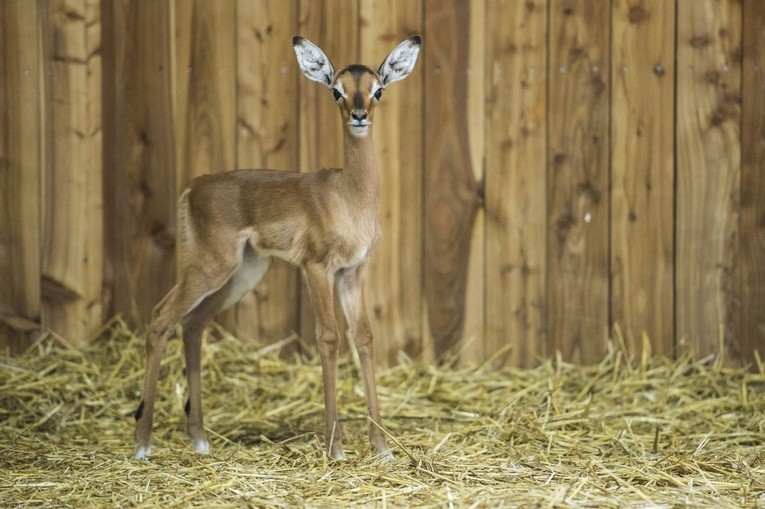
(72, 245)
(642, 172)
(516, 239)
(140, 219)
(555, 173)
(752, 183)
(21, 150)
(577, 179)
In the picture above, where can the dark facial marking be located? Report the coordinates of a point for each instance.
(357, 69)
(139, 412)
(187, 408)
(358, 101)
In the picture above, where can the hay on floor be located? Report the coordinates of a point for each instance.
(624, 433)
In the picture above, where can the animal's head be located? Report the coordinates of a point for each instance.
(357, 89)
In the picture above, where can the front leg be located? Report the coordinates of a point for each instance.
(320, 285)
(349, 284)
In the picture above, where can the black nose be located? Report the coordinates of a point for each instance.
(359, 116)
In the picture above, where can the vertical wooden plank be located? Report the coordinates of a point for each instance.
(267, 130)
(72, 254)
(472, 344)
(333, 25)
(139, 160)
(8, 335)
(708, 171)
(393, 278)
(752, 336)
(578, 179)
(451, 191)
(516, 200)
(642, 182)
(206, 106)
(20, 171)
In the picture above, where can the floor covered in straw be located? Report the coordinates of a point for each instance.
(624, 433)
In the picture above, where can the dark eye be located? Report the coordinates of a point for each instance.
(378, 94)
(337, 94)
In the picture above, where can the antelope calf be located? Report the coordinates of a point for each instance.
(325, 222)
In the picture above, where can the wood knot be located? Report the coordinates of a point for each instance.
(699, 41)
(589, 191)
(145, 189)
(162, 237)
(565, 222)
(638, 14)
(712, 77)
(598, 85)
(57, 291)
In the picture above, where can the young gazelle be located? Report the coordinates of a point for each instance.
(232, 223)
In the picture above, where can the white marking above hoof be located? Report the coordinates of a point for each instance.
(385, 455)
(142, 452)
(339, 456)
(201, 445)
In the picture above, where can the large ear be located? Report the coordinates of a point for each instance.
(400, 62)
(312, 60)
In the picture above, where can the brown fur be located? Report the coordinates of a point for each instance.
(232, 223)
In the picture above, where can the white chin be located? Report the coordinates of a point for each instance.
(358, 131)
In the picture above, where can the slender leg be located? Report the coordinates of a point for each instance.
(352, 300)
(320, 289)
(182, 298)
(161, 327)
(249, 273)
(192, 345)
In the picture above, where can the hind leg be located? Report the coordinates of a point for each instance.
(166, 315)
(191, 290)
(245, 278)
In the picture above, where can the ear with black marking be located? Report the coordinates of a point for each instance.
(400, 62)
(312, 60)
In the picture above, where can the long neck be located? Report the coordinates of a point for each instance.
(361, 167)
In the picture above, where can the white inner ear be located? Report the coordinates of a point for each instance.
(313, 62)
(399, 63)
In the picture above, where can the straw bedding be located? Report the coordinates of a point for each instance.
(624, 433)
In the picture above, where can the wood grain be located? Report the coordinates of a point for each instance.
(642, 177)
(139, 171)
(471, 347)
(752, 336)
(21, 147)
(267, 131)
(708, 172)
(72, 235)
(619, 152)
(451, 190)
(205, 88)
(578, 279)
(393, 286)
(516, 200)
